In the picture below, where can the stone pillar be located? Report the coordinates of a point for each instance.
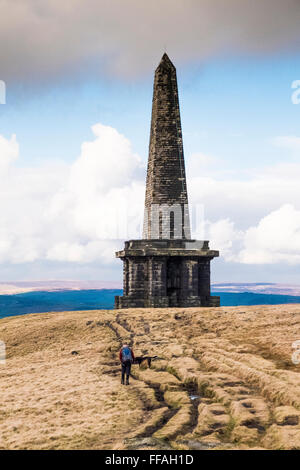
(166, 268)
(189, 283)
(204, 279)
(166, 179)
(125, 276)
(137, 277)
(157, 281)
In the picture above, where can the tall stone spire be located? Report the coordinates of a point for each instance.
(166, 268)
(166, 202)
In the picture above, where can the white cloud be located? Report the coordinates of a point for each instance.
(198, 162)
(9, 151)
(224, 237)
(71, 213)
(98, 250)
(290, 142)
(244, 200)
(105, 163)
(103, 187)
(80, 213)
(254, 220)
(275, 239)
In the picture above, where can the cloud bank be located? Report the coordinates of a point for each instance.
(70, 213)
(80, 213)
(43, 40)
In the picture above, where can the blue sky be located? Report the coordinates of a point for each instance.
(230, 108)
(63, 183)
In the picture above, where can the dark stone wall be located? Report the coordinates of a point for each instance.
(126, 276)
(190, 283)
(157, 277)
(167, 282)
(138, 278)
(204, 277)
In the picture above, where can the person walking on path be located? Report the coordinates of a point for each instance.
(126, 357)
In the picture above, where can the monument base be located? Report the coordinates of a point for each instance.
(166, 273)
(129, 302)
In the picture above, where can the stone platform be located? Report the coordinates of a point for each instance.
(166, 273)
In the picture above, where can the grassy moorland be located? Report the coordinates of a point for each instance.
(223, 379)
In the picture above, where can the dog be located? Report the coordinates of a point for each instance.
(140, 359)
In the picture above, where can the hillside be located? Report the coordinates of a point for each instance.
(223, 378)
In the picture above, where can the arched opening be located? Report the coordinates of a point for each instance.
(172, 225)
(160, 225)
(173, 281)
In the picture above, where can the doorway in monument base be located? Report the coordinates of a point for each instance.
(173, 281)
(187, 280)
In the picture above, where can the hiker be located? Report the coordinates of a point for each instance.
(126, 357)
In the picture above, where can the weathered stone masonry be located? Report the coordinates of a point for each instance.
(166, 268)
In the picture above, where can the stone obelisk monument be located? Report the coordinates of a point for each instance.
(166, 268)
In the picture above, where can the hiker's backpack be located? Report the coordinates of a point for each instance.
(126, 354)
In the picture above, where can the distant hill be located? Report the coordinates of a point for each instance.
(251, 298)
(257, 287)
(18, 287)
(72, 300)
(57, 301)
